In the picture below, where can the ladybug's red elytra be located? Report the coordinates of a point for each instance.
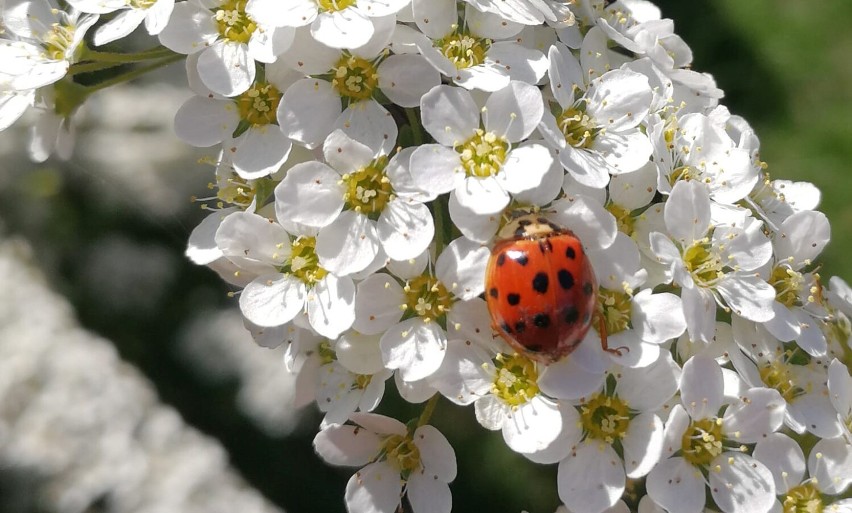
(540, 289)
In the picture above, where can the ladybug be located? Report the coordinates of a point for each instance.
(541, 290)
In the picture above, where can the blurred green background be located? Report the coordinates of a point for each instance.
(785, 66)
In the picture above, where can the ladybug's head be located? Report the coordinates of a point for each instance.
(529, 226)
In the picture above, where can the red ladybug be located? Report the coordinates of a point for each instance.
(540, 289)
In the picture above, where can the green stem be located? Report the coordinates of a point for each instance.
(125, 58)
(414, 123)
(438, 210)
(135, 73)
(89, 67)
(428, 410)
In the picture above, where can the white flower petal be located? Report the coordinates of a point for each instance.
(699, 310)
(514, 111)
(331, 305)
(449, 115)
(260, 151)
(658, 317)
(370, 124)
(204, 122)
(376, 488)
(405, 229)
(414, 347)
(830, 464)
(359, 353)
(620, 99)
(649, 388)
(565, 73)
(589, 220)
(377, 304)
(348, 244)
(307, 111)
(226, 68)
(687, 211)
(591, 478)
(476, 227)
(345, 154)
(436, 453)
(748, 296)
(272, 299)
(784, 458)
(743, 485)
(587, 167)
(525, 167)
(625, 151)
(758, 413)
(532, 426)
(346, 28)
(122, 25)
(481, 195)
(643, 444)
(802, 236)
(309, 194)
(347, 445)
(676, 485)
(404, 79)
(427, 494)
(201, 247)
(701, 387)
(463, 377)
(461, 268)
(191, 28)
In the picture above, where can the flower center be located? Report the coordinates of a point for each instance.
(463, 49)
(362, 381)
(683, 173)
(304, 262)
(605, 418)
(368, 190)
(427, 297)
(326, 352)
(401, 453)
(259, 104)
(236, 191)
(355, 77)
(516, 381)
(804, 498)
(483, 154)
(703, 262)
(702, 441)
(142, 4)
(788, 284)
(623, 218)
(615, 306)
(778, 375)
(233, 22)
(334, 5)
(58, 41)
(577, 127)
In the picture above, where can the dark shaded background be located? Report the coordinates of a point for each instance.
(783, 66)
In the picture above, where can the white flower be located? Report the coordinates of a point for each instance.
(410, 316)
(800, 381)
(466, 51)
(480, 164)
(361, 201)
(227, 39)
(840, 389)
(45, 41)
(340, 392)
(155, 14)
(706, 442)
(597, 128)
(245, 124)
(417, 464)
(712, 264)
(337, 24)
(695, 147)
(829, 466)
(289, 280)
(798, 314)
(591, 475)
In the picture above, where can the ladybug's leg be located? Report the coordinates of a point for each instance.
(602, 330)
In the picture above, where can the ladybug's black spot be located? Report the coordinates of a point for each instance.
(540, 283)
(505, 327)
(542, 220)
(588, 289)
(570, 253)
(501, 259)
(493, 292)
(571, 315)
(554, 227)
(513, 299)
(520, 326)
(535, 348)
(541, 320)
(522, 258)
(520, 232)
(524, 222)
(566, 279)
(544, 246)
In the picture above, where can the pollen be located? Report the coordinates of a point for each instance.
(463, 49)
(304, 262)
(233, 22)
(483, 154)
(788, 285)
(702, 441)
(516, 380)
(428, 298)
(335, 5)
(259, 104)
(615, 307)
(369, 190)
(605, 418)
(355, 78)
(402, 454)
(703, 262)
(577, 127)
(804, 498)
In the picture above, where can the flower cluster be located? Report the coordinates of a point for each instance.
(369, 153)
